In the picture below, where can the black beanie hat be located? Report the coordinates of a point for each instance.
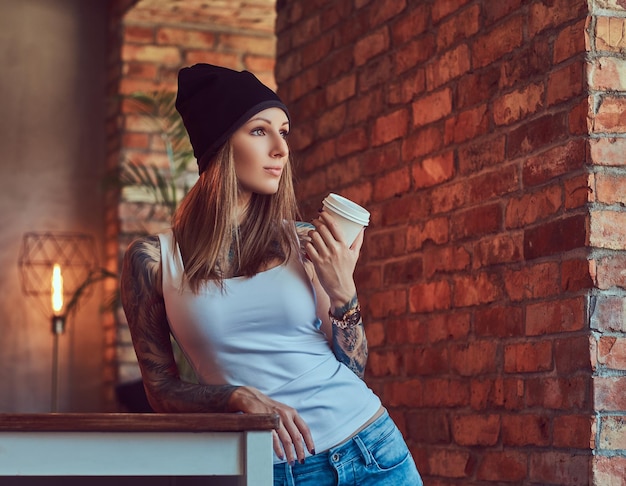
(215, 101)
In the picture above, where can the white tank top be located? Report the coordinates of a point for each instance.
(263, 331)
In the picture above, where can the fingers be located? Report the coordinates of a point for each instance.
(326, 226)
(358, 241)
(293, 434)
(323, 243)
(325, 247)
(305, 433)
(278, 449)
(291, 442)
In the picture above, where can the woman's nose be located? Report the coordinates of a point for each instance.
(280, 148)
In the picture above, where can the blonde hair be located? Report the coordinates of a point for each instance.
(212, 243)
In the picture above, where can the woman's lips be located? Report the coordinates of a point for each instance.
(275, 171)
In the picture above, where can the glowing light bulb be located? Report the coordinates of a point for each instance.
(57, 289)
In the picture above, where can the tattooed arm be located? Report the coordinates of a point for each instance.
(332, 275)
(349, 345)
(144, 306)
(142, 298)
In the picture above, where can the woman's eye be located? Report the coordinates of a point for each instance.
(257, 131)
(284, 133)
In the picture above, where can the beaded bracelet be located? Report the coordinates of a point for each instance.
(350, 319)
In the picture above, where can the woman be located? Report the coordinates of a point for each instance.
(269, 320)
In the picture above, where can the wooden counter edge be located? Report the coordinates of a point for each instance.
(137, 422)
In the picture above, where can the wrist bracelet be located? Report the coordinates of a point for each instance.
(350, 319)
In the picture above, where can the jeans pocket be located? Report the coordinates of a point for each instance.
(391, 451)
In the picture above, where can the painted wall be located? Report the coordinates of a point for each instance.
(52, 55)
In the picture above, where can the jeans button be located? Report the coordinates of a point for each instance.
(335, 457)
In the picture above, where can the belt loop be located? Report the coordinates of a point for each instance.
(291, 480)
(367, 457)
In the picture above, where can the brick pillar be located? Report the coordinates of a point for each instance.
(494, 255)
(607, 236)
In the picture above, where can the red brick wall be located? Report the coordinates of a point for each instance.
(494, 173)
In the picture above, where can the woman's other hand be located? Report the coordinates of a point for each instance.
(334, 262)
(292, 435)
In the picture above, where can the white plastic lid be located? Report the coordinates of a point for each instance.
(346, 208)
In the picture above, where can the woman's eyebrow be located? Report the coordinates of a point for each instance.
(259, 118)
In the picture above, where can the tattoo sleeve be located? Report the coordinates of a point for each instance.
(142, 300)
(350, 344)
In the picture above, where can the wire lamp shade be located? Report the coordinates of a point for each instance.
(40, 252)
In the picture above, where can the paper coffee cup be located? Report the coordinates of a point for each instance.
(350, 217)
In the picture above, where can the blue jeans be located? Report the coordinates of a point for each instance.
(376, 456)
